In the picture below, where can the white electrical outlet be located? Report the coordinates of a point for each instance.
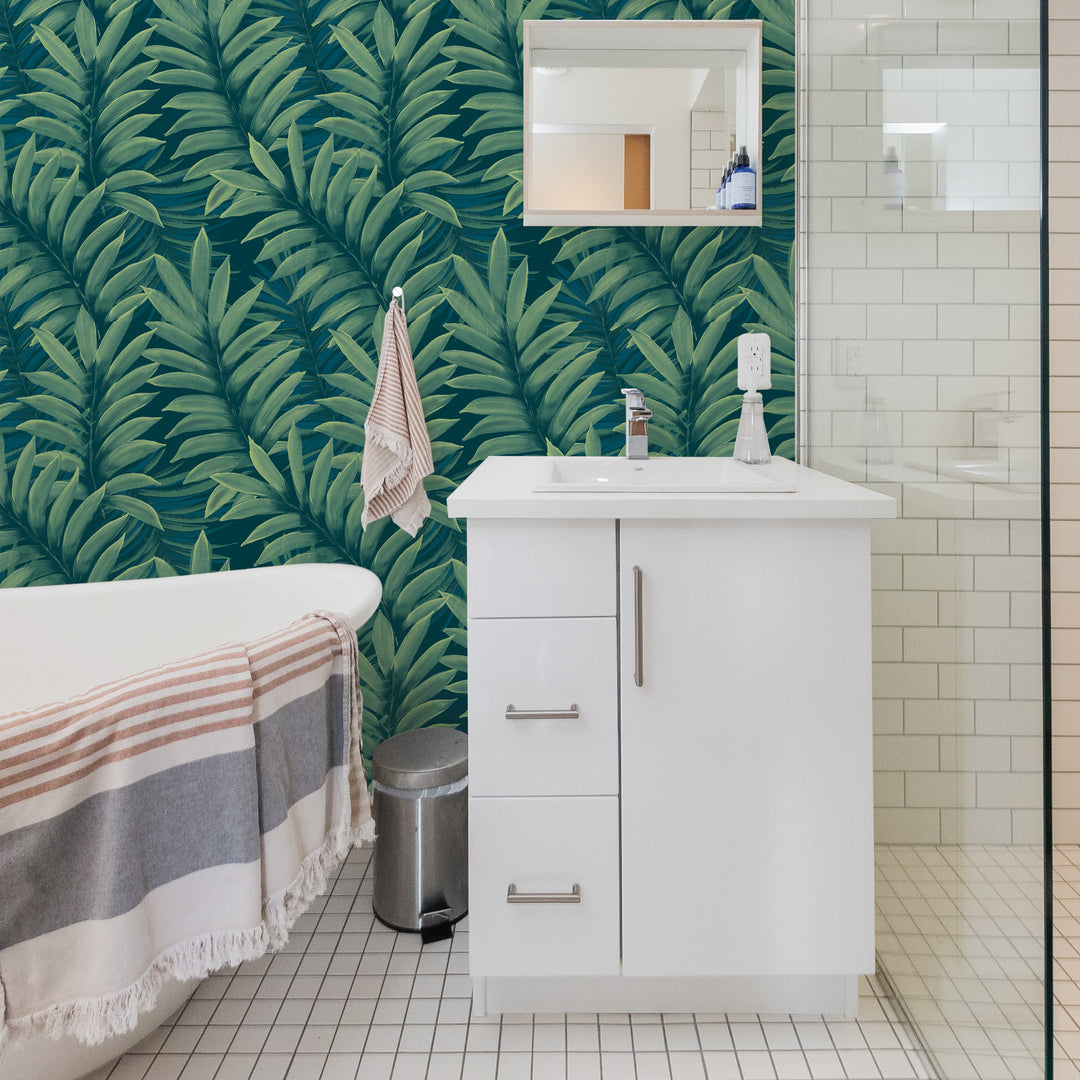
(755, 367)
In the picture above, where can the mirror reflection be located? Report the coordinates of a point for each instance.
(642, 122)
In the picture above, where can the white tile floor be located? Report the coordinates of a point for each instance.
(349, 999)
(1067, 962)
(960, 932)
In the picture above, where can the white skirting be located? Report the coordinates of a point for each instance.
(834, 996)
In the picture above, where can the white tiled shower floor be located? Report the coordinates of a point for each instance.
(349, 999)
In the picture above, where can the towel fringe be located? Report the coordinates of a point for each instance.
(400, 447)
(412, 524)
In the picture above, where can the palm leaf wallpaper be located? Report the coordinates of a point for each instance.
(204, 205)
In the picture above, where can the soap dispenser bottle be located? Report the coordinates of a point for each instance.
(743, 183)
(893, 181)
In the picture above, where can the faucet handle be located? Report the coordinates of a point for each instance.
(635, 399)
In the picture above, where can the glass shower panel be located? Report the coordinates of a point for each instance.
(919, 228)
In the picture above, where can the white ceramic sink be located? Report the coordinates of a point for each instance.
(596, 475)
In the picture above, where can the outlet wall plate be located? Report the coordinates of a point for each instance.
(755, 362)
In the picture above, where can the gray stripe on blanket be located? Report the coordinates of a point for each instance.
(296, 746)
(100, 858)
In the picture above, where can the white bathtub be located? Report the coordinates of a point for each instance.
(57, 640)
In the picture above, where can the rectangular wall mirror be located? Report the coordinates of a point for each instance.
(633, 122)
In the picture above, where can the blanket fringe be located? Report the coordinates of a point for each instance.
(93, 1020)
(282, 909)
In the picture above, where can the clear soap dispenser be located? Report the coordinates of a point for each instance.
(752, 440)
(754, 372)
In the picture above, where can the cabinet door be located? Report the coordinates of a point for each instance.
(746, 750)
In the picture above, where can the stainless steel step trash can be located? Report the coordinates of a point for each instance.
(420, 781)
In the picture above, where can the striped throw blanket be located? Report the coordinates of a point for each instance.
(171, 823)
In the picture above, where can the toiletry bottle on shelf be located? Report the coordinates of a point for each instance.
(743, 184)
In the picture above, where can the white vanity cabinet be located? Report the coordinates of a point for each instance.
(670, 742)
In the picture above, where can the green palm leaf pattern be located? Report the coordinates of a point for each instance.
(693, 393)
(51, 530)
(89, 105)
(204, 206)
(330, 228)
(312, 24)
(487, 48)
(646, 275)
(532, 385)
(237, 78)
(92, 407)
(389, 104)
(234, 387)
(58, 252)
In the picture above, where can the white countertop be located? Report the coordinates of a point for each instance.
(504, 487)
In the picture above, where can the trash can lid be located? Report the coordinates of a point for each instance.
(427, 757)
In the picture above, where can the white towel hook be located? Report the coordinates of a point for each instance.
(399, 294)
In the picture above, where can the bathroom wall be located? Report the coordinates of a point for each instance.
(1065, 411)
(922, 380)
(204, 205)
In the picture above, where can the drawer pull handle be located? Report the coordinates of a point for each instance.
(639, 630)
(542, 714)
(515, 897)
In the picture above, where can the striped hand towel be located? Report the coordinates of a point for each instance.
(171, 823)
(397, 450)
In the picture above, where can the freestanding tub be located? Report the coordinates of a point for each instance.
(59, 640)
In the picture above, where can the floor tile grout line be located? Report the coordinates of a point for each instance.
(991, 966)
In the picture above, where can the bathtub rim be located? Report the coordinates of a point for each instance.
(362, 606)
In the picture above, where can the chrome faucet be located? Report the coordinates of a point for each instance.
(637, 424)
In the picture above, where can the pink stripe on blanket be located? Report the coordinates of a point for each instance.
(54, 717)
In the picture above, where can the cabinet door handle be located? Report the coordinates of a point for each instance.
(542, 714)
(639, 630)
(515, 897)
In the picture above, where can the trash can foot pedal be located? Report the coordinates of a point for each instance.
(435, 926)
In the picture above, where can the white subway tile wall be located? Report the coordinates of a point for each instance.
(710, 151)
(922, 381)
(1064, 64)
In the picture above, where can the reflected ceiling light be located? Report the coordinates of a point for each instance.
(910, 129)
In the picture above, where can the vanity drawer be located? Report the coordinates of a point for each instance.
(526, 567)
(543, 707)
(541, 849)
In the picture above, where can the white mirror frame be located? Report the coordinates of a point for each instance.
(661, 43)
